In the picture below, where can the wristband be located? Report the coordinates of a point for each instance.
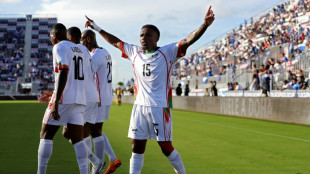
(96, 27)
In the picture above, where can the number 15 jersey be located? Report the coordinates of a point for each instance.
(152, 73)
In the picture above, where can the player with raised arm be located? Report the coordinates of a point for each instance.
(102, 66)
(151, 116)
(67, 103)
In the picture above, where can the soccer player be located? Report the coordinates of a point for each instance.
(67, 103)
(92, 96)
(151, 116)
(102, 65)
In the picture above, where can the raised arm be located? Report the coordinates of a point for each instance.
(113, 40)
(195, 35)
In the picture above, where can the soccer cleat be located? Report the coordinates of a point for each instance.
(113, 166)
(99, 169)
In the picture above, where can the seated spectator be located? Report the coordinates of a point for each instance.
(295, 84)
(286, 85)
(237, 87)
(290, 75)
(230, 86)
(299, 73)
(294, 77)
(302, 84)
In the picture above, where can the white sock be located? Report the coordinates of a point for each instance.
(108, 148)
(99, 147)
(89, 145)
(88, 142)
(81, 156)
(136, 163)
(176, 161)
(44, 154)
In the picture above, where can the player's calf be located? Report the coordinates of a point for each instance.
(96, 130)
(173, 156)
(166, 147)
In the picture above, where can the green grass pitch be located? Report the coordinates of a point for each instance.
(208, 144)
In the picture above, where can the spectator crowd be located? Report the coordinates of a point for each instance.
(285, 28)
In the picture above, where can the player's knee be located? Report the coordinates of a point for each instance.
(166, 147)
(138, 146)
(46, 135)
(65, 133)
(95, 132)
(48, 131)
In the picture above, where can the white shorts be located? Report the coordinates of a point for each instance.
(103, 113)
(150, 122)
(90, 113)
(69, 113)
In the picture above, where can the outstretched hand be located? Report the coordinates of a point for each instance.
(90, 23)
(209, 18)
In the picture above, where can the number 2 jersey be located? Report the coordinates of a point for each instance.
(152, 73)
(102, 64)
(67, 55)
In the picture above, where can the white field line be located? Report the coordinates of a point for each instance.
(248, 130)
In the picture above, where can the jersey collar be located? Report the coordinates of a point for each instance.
(151, 52)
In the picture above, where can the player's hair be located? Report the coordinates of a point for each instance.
(59, 27)
(153, 27)
(60, 30)
(75, 32)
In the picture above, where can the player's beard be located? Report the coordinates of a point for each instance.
(144, 48)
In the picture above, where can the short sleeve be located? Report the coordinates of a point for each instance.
(173, 51)
(61, 57)
(128, 50)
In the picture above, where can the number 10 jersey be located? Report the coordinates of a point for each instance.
(67, 55)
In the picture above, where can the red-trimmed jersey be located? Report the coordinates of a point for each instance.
(152, 73)
(67, 55)
(91, 88)
(102, 64)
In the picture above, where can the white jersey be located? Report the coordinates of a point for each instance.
(102, 64)
(91, 88)
(67, 55)
(152, 72)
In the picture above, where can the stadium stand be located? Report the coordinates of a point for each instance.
(25, 53)
(270, 45)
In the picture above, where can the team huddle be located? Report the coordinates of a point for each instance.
(82, 96)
